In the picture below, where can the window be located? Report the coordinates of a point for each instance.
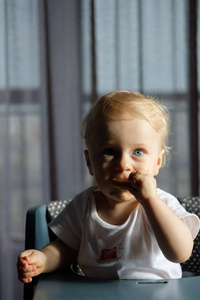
(143, 46)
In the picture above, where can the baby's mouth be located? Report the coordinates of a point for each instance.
(123, 183)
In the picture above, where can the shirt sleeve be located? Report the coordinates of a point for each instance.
(190, 219)
(67, 226)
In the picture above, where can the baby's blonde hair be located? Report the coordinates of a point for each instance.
(124, 105)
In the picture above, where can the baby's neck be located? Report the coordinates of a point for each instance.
(113, 212)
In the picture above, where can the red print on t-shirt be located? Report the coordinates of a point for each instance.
(108, 253)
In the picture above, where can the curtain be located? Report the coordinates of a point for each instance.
(40, 98)
(149, 46)
(64, 96)
(22, 175)
(56, 57)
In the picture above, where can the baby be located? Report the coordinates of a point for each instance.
(124, 227)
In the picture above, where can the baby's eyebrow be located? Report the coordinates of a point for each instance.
(142, 145)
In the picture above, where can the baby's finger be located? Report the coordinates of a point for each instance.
(32, 258)
(136, 178)
(26, 275)
(21, 264)
(24, 279)
(31, 268)
(25, 253)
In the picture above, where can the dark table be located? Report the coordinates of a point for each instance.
(61, 285)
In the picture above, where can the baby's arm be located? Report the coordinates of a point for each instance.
(52, 257)
(173, 235)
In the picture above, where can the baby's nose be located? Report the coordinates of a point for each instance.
(123, 164)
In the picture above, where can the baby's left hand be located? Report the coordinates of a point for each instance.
(144, 186)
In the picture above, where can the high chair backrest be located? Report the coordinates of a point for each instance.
(192, 265)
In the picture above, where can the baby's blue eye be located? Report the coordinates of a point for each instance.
(138, 152)
(109, 152)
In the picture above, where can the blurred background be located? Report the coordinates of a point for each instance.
(56, 58)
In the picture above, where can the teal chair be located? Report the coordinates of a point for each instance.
(38, 235)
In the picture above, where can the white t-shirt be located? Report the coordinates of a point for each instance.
(127, 251)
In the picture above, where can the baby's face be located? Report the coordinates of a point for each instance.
(120, 148)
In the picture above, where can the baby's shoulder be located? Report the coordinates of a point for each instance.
(165, 196)
(81, 200)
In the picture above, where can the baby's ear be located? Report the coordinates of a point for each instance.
(88, 163)
(159, 161)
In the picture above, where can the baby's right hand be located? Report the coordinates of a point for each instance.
(30, 263)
